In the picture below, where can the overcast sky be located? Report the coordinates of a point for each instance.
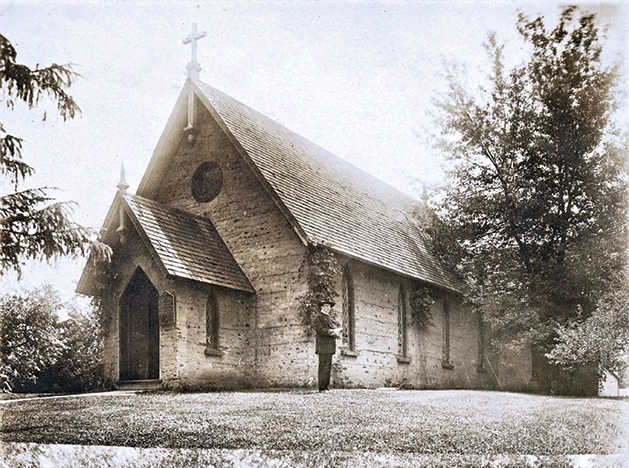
(356, 77)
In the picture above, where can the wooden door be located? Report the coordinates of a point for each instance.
(139, 330)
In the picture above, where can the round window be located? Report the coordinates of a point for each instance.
(207, 182)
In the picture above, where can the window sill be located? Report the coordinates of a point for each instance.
(213, 352)
(403, 359)
(447, 365)
(349, 353)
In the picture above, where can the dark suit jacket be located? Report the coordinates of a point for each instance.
(326, 339)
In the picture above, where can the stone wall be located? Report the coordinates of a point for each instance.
(377, 363)
(265, 245)
(183, 360)
(225, 368)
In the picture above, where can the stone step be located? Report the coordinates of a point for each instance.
(154, 384)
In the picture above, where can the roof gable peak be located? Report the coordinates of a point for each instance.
(326, 199)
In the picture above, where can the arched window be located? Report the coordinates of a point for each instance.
(447, 362)
(402, 332)
(481, 344)
(211, 325)
(349, 324)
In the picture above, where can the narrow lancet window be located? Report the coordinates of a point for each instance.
(349, 325)
(402, 323)
(481, 344)
(447, 362)
(211, 324)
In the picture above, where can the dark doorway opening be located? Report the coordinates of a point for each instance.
(139, 330)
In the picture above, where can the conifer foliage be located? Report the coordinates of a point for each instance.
(32, 224)
(536, 207)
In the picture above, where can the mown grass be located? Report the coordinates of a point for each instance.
(426, 422)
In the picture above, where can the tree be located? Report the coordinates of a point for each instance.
(32, 224)
(80, 365)
(29, 341)
(39, 352)
(534, 216)
(602, 338)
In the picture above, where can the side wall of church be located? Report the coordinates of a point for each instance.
(378, 361)
(206, 367)
(265, 245)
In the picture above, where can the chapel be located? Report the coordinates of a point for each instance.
(207, 279)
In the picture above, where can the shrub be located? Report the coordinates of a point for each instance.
(29, 339)
(41, 353)
(321, 269)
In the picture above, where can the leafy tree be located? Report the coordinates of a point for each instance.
(534, 216)
(41, 353)
(29, 339)
(32, 224)
(79, 366)
(602, 338)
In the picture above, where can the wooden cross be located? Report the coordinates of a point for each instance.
(192, 39)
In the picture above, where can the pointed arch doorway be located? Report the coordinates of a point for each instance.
(139, 329)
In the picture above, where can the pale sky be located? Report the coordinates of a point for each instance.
(356, 77)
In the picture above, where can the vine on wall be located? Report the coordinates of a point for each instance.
(421, 300)
(321, 269)
(101, 277)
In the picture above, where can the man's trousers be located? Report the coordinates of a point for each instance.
(325, 368)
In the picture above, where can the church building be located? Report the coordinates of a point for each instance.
(208, 275)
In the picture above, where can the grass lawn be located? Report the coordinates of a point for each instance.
(392, 421)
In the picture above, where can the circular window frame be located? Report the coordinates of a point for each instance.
(207, 181)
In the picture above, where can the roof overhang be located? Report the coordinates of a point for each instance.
(182, 245)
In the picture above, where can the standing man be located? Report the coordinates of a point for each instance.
(327, 333)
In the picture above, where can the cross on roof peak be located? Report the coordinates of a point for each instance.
(193, 67)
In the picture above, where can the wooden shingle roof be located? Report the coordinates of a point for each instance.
(188, 246)
(184, 245)
(331, 201)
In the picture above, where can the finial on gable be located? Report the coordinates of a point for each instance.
(193, 66)
(122, 185)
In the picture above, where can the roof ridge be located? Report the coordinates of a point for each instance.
(330, 199)
(373, 179)
(162, 205)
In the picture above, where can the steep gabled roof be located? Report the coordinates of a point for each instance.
(184, 246)
(330, 201)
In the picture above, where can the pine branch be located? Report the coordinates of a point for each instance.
(19, 82)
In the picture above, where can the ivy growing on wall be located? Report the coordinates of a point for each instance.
(321, 269)
(100, 282)
(421, 300)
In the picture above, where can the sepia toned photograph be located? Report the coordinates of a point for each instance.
(317, 233)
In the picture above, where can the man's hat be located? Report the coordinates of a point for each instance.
(328, 301)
